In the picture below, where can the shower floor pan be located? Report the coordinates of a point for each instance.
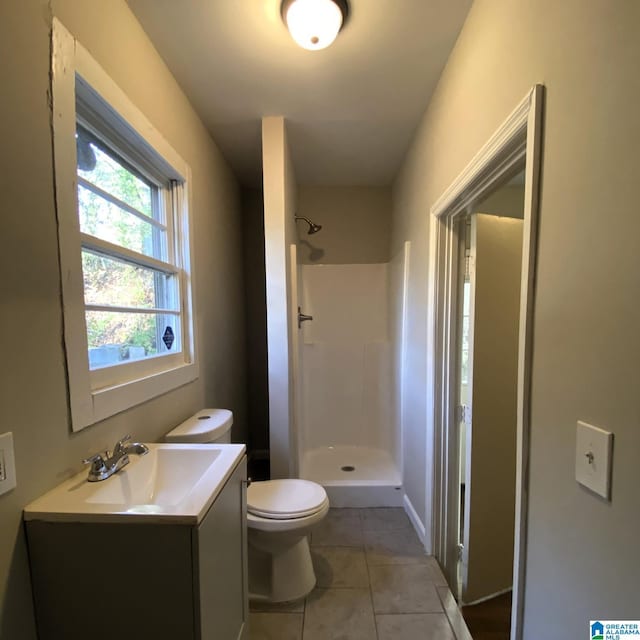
(354, 476)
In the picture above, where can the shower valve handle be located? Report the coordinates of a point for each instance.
(302, 318)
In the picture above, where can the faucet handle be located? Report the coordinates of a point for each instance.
(95, 459)
(98, 469)
(97, 463)
(120, 444)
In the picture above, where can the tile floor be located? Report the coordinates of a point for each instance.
(374, 582)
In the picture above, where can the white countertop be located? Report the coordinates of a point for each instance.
(172, 484)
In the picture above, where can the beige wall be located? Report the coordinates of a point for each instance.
(33, 390)
(356, 224)
(580, 557)
(280, 190)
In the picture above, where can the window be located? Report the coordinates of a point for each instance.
(131, 292)
(124, 243)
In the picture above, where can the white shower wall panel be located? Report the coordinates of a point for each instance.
(351, 301)
(347, 359)
(377, 394)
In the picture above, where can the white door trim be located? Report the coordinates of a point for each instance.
(516, 142)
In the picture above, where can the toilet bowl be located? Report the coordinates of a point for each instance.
(280, 515)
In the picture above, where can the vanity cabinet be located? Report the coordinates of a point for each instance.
(159, 579)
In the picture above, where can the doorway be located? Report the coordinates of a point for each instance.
(515, 144)
(488, 326)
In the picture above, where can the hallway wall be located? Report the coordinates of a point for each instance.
(507, 201)
(580, 557)
(33, 393)
(490, 476)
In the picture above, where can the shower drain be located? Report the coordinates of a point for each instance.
(348, 467)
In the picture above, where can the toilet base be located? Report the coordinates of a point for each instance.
(280, 572)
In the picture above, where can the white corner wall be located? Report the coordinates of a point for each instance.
(280, 233)
(581, 559)
(398, 308)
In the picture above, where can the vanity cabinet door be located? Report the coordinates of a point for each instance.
(220, 544)
(112, 580)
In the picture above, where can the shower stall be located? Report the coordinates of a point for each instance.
(349, 379)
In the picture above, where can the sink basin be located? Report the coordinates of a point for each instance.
(163, 477)
(173, 482)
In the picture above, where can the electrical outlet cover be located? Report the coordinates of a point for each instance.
(9, 467)
(593, 458)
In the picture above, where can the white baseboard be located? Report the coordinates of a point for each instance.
(489, 597)
(415, 520)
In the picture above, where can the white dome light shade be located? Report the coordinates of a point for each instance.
(313, 24)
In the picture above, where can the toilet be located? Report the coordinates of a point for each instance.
(280, 516)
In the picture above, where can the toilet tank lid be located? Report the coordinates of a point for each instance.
(205, 426)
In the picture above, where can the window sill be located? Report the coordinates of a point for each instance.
(108, 401)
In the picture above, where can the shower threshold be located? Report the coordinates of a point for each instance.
(354, 476)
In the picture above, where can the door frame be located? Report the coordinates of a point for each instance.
(516, 142)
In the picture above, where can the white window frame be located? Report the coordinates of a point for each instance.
(97, 394)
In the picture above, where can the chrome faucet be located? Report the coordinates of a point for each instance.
(104, 465)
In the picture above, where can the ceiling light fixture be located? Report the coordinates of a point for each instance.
(314, 24)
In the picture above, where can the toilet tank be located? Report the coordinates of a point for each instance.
(208, 426)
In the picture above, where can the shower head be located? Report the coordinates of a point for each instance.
(313, 227)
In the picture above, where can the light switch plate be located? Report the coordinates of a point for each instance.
(593, 458)
(7, 463)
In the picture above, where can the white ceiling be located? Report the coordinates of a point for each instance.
(351, 109)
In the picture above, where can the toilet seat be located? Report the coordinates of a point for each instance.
(297, 526)
(285, 499)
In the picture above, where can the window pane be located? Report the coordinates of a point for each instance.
(116, 337)
(108, 173)
(101, 218)
(113, 282)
